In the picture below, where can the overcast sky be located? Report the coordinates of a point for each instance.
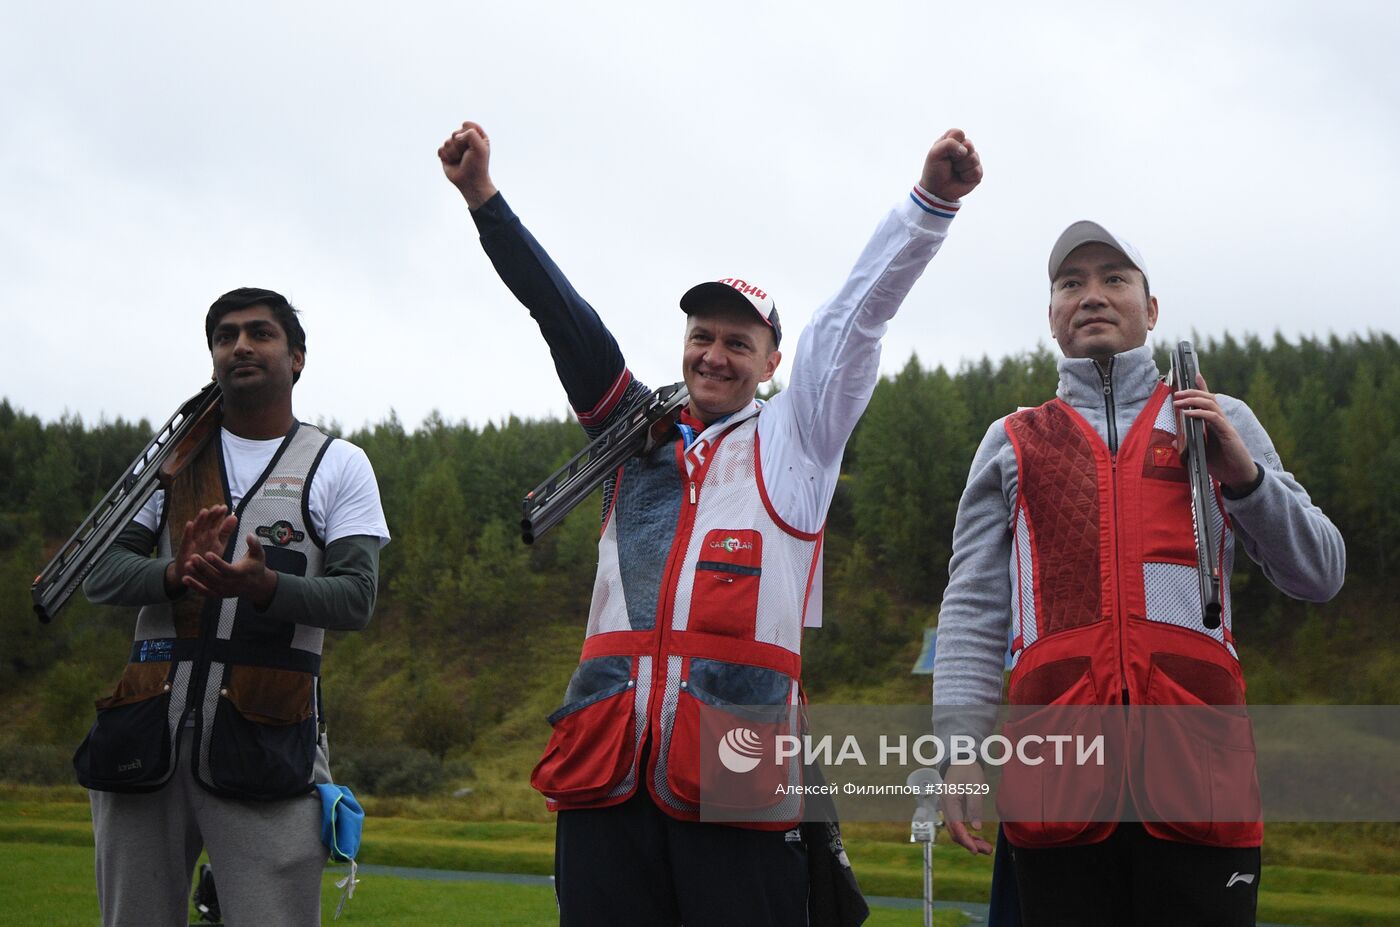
(154, 155)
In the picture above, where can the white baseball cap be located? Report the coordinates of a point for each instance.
(1084, 232)
(736, 292)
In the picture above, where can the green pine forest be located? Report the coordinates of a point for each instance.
(475, 634)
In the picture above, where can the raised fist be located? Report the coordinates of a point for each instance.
(952, 169)
(466, 160)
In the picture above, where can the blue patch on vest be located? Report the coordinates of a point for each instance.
(647, 509)
(153, 651)
(738, 684)
(601, 674)
(593, 681)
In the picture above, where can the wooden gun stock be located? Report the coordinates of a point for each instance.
(190, 443)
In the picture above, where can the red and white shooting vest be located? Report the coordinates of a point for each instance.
(730, 592)
(1106, 608)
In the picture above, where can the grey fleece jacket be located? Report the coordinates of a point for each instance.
(1298, 547)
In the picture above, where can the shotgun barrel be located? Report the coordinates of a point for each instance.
(636, 432)
(174, 445)
(1192, 432)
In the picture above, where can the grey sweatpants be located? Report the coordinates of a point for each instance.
(267, 856)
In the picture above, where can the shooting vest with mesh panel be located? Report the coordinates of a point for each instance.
(699, 601)
(1106, 608)
(249, 685)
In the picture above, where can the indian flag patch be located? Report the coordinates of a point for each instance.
(284, 487)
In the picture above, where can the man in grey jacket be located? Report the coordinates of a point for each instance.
(1101, 310)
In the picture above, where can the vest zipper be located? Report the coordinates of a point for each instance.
(1108, 407)
(1120, 619)
(679, 544)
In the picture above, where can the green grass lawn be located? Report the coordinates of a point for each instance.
(51, 886)
(1314, 874)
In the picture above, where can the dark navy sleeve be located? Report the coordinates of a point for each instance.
(586, 356)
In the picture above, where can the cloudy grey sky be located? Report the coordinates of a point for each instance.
(156, 154)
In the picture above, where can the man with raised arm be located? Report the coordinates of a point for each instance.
(214, 738)
(1075, 535)
(708, 556)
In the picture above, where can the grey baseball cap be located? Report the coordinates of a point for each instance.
(1084, 232)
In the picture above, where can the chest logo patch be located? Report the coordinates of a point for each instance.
(280, 533)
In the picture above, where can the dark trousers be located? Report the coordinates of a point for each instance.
(633, 864)
(1005, 907)
(1133, 879)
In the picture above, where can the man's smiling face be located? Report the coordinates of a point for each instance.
(1099, 305)
(728, 353)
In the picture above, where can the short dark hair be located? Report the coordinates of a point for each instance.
(246, 297)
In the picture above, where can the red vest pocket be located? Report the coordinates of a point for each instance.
(724, 598)
(1196, 781)
(1049, 795)
(1165, 498)
(592, 746)
(723, 747)
(727, 757)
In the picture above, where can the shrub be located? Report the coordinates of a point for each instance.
(36, 764)
(392, 770)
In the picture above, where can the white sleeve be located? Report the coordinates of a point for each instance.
(804, 429)
(149, 516)
(345, 496)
